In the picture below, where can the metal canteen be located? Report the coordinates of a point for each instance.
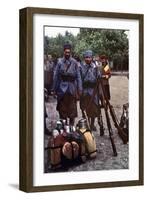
(59, 125)
(82, 123)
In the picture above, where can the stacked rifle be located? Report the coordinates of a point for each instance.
(109, 111)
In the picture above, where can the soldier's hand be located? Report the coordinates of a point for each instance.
(105, 76)
(53, 93)
(79, 93)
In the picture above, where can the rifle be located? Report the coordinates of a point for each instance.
(100, 122)
(121, 133)
(100, 119)
(86, 117)
(96, 89)
(109, 125)
(110, 130)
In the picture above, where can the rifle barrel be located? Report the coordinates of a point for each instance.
(121, 133)
(110, 130)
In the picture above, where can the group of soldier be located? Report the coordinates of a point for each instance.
(73, 80)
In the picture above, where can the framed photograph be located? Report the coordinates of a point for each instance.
(81, 99)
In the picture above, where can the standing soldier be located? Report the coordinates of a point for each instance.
(48, 73)
(66, 85)
(89, 75)
(106, 74)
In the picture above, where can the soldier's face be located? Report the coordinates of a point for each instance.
(88, 60)
(104, 62)
(67, 53)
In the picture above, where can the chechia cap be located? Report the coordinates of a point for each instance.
(103, 57)
(88, 53)
(67, 46)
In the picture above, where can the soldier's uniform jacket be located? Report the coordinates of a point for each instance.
(89, 74)
(67, 78)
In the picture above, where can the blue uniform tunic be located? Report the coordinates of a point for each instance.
(67, 83)
(89, 74)
(67, 68)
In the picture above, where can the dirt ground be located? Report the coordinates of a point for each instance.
(105, 159)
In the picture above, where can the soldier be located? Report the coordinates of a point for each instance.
(67, 84)
(48, 73)
(96, 61)
(89, 75)
(106, 74)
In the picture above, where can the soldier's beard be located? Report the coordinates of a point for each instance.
(67, 57)
(88, 62)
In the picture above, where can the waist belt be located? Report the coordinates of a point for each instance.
(88, 84)
(67, 78)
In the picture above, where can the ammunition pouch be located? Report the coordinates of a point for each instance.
(67, 78)
(88, 84)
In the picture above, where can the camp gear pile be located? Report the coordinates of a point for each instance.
(68, 144)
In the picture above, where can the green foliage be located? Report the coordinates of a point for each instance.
(54, 46)
(113, 43)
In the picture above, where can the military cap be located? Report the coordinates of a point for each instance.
(67, 46)
(88, 53)
(103, 57)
